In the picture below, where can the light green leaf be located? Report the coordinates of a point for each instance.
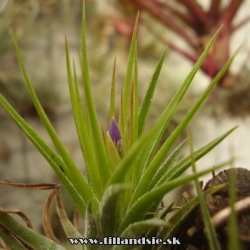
(161, 214)
(108, 214)
(185, 163)
(161, 154)
(29, 236)
(71, 170)
(127, 88)
(149, 149)
(211, 234)
(150, 200)
(92, 227)
(119, 173)
(182, 215)
(166, 166)
(91, 116)
(135, 97)
(114, 156)
(139, 229)
(50, 155)
(68, 227)
(81, 128)
(112, 94)
(146, 103)
(11, 241)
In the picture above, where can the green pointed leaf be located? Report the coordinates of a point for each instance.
(211, 234)
(71, 170)
(119, 173)
(146, 103)
(11, 241)
(181, 216)
(163, 213)
(68, 227)
(115, 158)
(112, 95)
(50, 155)
(150, 200)
(27, 235)
(160, 215)
(138, 229)
(151, 146)
(81, 128)
(127, 86)
(166, 166)
(108, 208)
(92, 229)
(135, 97)
(185, 163)
(91, 116)
(161, 154)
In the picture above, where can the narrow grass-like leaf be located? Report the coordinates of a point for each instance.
(46, 218)
(160, 215)
(164, 168)
(81, 128)
(165, 210)
(121, 116)
(131, 117)
(135, 96)
(96, 137)
(137, 229)
(130, 178)
(108, 212)
(161, 154)
(210, 230)
(73, 173)
(146, 103)
(121, 170)
(11, 241)
(150, 200)
(27, 235)
(92, 227)
(127, 86)
(113, 152)
(112, 94)
(108, 152)
(135, 115)
(149, 149)
(233, 242)
(182, 215)
(51, 156)
(185, 163)
(68, 227)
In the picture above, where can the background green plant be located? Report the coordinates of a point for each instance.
(126, 181)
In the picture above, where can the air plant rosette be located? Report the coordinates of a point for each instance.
(127, 173)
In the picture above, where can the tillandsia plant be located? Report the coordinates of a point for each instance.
(194, 24)
(127, 174)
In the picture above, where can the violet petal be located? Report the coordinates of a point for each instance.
(114, 132)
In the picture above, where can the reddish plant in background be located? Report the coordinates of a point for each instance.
(194, 24)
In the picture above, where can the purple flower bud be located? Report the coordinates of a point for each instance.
(114, 132)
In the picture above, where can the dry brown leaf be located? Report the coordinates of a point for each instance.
(46, 218)
(34, 186)
(76, 219)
